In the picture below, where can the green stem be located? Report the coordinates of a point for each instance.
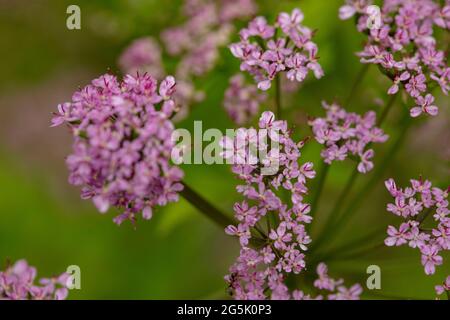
(356, 84)
(335, 212)
(277, 97)
(345, 193)
(422, 217)
(349, 247)
(387, 296)
(358, 200)
(320, 184)
(206, 207)
(361, 252)
(386, 110)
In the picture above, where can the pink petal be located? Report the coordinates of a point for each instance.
(264, 85)
(346, 12)
(432, 110)
(415, 112)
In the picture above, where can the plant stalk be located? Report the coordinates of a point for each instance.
(205, 207)
(319, 188)
(277, 97)
(360, 76)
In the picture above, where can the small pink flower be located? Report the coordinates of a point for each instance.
(416, 85)
(398, 79)
(425, 104)
(392, 188)
(241, 231)
(398, 238)
(366, 165)
(344, 293)
(280, 236)
(418, 239)
(430, 258)
(440, 289)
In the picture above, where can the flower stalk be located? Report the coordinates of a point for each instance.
(323, 173)
(361, 74)
(205, 207)
(277, 97)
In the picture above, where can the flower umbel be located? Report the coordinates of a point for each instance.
(284, 239)
(415, 204)
(404, 47)
(347, 134)
(271, 226)
(122, 143)
(266, 50)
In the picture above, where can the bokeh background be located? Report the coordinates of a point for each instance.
(180, 253)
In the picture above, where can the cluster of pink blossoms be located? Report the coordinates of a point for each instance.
(280, 242)
(208, 27)
(415, 205)
(266, 50)
(404, 48)
(347, 134)
(242, 100)
(122, 143)
(17, 283)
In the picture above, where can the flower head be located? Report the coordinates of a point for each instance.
(260, 271)
(415, 204)
(122, 143)
(404, 47)
(347, 134)
(284, 47)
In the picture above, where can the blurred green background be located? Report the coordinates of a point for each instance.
(180, 253)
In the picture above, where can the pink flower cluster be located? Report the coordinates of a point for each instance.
(266, 50)
(415, 204)
(242, 100)
(284, 237)
(347, 134)
(122, 143)
(404, 48)
(17, 283)
(208, 27)
(278, 246)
